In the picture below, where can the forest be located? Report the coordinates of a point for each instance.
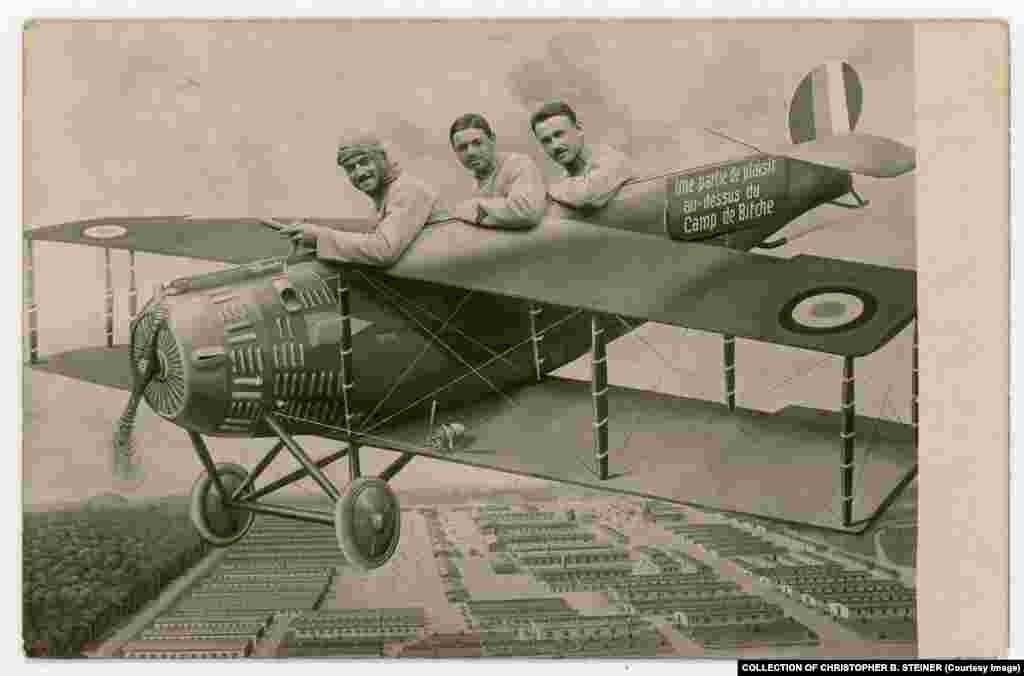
(85, 569)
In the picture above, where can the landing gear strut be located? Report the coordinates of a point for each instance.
(366, 515)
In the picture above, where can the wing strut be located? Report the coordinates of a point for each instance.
(347, 380)
(599, 392)
(913, 386)
(536, 337)
(108, 304)
(729, 369)
(30, 304)
(848, 436)
(133, 291)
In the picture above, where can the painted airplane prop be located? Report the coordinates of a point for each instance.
(471, 322)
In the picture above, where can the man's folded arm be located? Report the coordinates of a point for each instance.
(524, 205)
(595, 188)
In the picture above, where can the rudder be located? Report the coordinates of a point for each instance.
(827, 102)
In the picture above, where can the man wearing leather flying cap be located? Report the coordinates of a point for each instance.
(404, 205)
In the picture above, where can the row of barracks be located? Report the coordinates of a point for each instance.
(512, 516)
(573, 557)
(575, 536)
(706, 590)
(281, 568)
(850, 595)
(445, 645)
(387, 624)
(727, 541)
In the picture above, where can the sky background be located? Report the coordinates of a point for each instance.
(241, 119)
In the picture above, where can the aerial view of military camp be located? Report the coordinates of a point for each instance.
(577, 576)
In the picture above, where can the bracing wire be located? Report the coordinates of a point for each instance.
(412, 365)
(380, 286)
(462, 377)
(437, 339)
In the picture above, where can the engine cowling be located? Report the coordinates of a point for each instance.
(237, 344)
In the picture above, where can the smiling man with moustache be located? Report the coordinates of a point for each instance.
(595, 172)
(510, 187)
(404, 205)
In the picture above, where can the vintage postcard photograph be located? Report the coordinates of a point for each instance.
(470, 338)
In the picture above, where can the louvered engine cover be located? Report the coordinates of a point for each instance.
(236, 344)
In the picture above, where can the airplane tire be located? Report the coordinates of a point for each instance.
(368, 522)
(219, 525)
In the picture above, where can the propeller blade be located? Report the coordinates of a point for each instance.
(126, 464)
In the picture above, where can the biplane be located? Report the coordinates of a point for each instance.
(472, 322)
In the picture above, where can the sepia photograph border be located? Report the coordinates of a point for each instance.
(962, 182)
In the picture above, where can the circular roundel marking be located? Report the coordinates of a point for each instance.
(217, 524)
(828, 101)
(105, 231)
(368, 521)
(828, 310)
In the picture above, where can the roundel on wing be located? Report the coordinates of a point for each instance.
(827, 102)
(106, 231)
(827, 310)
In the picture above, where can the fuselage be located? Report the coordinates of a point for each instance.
(737, 204)
(266, 337)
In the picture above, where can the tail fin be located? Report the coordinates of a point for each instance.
(823, 115)
(827, 102)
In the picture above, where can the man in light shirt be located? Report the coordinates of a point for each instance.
(404, 205)
(595, 172)
(510, 190)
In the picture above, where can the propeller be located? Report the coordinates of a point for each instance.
(126, 465)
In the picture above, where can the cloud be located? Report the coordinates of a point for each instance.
(229, 117)
(570, 71)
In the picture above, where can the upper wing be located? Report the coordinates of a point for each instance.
(227, 240)
(646, 277)
(575, 264)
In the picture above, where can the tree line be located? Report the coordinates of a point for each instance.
(85, 570)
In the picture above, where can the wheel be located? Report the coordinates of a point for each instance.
(219, 525)
(368, 522)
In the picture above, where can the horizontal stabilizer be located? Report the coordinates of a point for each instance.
(863, 154)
